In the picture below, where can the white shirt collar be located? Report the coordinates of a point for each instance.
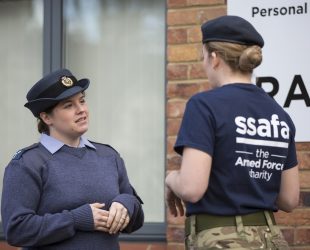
(53, 145)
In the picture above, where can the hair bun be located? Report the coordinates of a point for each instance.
(250, 58)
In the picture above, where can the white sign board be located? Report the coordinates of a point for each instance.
(285, 71)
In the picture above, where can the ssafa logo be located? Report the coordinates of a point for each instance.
(260, 160)
(264, 128)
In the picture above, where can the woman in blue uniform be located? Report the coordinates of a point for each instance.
(66, 192)
(238, 152)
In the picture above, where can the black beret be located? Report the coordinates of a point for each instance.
(232, 29)
(53, 88)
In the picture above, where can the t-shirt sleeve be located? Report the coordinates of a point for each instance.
(197, 128)
(291, 160)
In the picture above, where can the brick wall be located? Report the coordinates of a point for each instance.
(185, 77)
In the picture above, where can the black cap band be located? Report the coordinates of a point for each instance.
(57, 88)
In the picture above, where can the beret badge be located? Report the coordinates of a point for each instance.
(66, 81)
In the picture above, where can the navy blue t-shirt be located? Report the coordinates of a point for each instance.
(251, 141)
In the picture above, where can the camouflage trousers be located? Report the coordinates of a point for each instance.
(236, 237)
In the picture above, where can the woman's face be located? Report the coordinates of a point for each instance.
(69, 118)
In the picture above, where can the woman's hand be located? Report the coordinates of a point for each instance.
(100, 217)
(174, 203)
(118, 218)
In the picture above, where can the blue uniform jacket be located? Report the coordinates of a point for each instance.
(46, 197)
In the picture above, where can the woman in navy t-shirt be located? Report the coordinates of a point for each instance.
(239, 161)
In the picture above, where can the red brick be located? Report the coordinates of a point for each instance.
(177, 71)
(176, 36)
(170, 144)
(193, 16)
(175, 246)
(304, 199)
(299, 217)
(288, 234)
(196, 71)
(172, 220)
(183, 90)
(184, 53)
(204, 15)
(175, 109)
(304, 178)
(173, 126)
(176, 3)
(303, 146)
(303, 160)
(174, 162)
(184, 3)
(194, 34)
(143, 246)
(175, 234)
(182, 17)
(158, 246)
(303, 236)
(204, 2)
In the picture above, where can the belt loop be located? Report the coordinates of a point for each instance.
(192, 235)
(239, 224)
(193, 224)
(240, 227)
(269, 222)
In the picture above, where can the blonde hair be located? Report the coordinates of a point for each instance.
(243, 58)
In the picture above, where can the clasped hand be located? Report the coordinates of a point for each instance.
(112, 221)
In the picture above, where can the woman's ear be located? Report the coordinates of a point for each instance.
(215, 60)
(46, 118)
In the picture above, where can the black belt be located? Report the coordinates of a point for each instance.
(208, 221)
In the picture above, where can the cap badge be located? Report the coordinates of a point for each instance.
(66, 81)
